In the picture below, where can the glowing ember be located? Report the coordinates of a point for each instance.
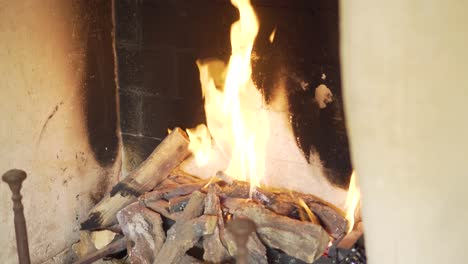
(352, 200)
(234, 108)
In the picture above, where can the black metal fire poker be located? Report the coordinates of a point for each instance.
(15, 179)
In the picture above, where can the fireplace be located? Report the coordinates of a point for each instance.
(157, 131)
(176, 68)
(162, 50)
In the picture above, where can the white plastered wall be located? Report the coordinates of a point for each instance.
(42, 127)
(405, 73)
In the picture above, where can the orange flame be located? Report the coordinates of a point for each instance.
(235, 116)
(306, 208)
(272, 36)
(352, 200)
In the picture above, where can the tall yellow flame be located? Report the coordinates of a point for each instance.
(235, 116)
(352, 200)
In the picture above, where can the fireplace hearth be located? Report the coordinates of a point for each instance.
(179, 203)
(186, 219)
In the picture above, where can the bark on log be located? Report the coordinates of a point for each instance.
(284, 202)
(143, 228)
(214, 250)
(182, 236)
(177, 204)
(162, 207)
(194, 207)
(169, 153)
(171, 191)
(303, 240)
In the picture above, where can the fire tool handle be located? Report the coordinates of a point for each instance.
(241, 228)
(15, 179)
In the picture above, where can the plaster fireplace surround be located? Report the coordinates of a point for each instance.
(336, 99)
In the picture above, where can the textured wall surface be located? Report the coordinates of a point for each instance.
(406, 93)
(48, 79)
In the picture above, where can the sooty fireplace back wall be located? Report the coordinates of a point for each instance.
(158, 42)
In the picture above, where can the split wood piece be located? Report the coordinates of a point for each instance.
(177, 177)
(194, 207)
(182, 236)
(161, 207)
(169, 153)
(143, 229)
(214, 250)
(284, 203)
(303, 240)
(114, 247)
(85, 246)
(171, 191)
(177, 204)
(180, 176)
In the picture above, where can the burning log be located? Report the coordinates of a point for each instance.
(183, 199)
(303, 240)
(162, 208)
(186, 231)
(281, 202)
(214, 250)
(182, 236)
(171, 191)
(143, 228)
(170, 152)
(194, 207)
(284, 203)
(178, 204)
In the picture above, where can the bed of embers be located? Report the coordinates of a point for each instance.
(164, 215)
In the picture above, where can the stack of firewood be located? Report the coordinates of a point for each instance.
(167, 216)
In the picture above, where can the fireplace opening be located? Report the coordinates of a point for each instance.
(158, 43)
(165, 51)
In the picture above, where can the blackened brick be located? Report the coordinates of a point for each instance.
(160, 114)
(159, 72)
(127, 20)
(130, 112)
(130, 68)
(137, 149)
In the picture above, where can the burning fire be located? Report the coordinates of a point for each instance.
(234, 109)
(352, 200)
